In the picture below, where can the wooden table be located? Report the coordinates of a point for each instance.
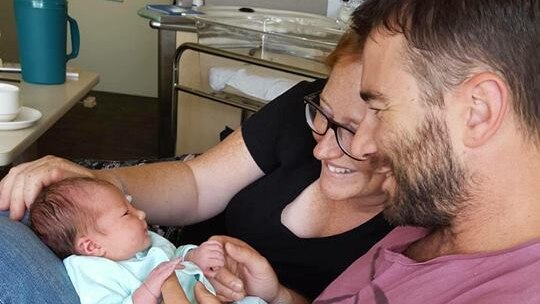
(53, 101)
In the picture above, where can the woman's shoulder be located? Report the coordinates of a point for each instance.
(302, 89)
(278, 131)
(308, 87)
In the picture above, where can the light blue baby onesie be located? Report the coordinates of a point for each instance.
(102, 281)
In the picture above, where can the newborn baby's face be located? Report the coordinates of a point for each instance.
(122, 228)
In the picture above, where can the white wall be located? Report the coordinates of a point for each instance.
(332, 8)
(117, 44)
(307, 6)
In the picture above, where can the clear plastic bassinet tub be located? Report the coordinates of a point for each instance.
(292, 38)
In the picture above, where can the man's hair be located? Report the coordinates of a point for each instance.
(349, 47)
(63, 211)
(450, 40)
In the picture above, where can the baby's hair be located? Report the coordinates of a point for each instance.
(63, 211)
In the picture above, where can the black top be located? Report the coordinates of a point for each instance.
(281, 143)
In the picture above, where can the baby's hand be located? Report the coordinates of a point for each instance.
(208, 256)
(152, 285)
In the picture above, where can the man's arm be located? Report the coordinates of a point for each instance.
(246, 272)
(286, 296)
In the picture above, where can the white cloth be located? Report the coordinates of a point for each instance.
(262, 87)
(99, 280)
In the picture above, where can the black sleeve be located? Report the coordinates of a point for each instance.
(262, 130)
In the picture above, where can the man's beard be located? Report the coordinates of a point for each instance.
(430, 182)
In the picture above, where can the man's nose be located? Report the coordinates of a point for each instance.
(364, 144)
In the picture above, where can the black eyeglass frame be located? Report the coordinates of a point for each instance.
(331, 124)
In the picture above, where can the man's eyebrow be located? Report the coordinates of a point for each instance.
(369, 96)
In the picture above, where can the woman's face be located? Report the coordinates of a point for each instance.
(341, 176)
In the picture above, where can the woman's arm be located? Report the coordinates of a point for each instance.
(171, 193)
(174, 193)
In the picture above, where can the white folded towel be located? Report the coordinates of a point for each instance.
(251, 84)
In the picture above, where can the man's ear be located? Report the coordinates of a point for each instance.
(487, 105)
(87, 246)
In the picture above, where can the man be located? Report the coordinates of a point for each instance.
(454, 85)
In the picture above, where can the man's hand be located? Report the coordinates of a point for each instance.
(20, 187)
(208, 256)
(245, 272)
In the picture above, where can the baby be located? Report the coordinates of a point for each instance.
(108, 252)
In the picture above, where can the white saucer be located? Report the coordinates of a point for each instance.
(27, 117)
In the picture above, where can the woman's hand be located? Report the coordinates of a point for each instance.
(208, 256)
(20, 187)
(248, 272)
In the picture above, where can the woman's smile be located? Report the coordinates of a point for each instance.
(337, 169)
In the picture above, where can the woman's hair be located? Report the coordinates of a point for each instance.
(349, 47)
(449, 40)
(63, 211)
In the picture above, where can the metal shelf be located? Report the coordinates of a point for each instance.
(241, 102)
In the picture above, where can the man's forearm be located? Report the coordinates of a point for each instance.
(288, 296)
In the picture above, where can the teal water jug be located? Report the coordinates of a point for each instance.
(42, 36)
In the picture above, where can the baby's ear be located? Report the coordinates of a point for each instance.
(87, 246)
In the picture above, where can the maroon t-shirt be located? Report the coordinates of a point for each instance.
(384, 276)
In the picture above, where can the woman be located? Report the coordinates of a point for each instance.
(304, 214)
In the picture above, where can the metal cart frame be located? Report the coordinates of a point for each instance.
(169, 72)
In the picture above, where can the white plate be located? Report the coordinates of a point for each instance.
(27, 117)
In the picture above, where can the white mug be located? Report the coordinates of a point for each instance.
(9, 102)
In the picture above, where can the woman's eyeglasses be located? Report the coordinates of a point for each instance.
(320, 124)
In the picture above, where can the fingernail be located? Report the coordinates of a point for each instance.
(236, 285)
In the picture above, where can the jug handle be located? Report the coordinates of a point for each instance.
(75, 40)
